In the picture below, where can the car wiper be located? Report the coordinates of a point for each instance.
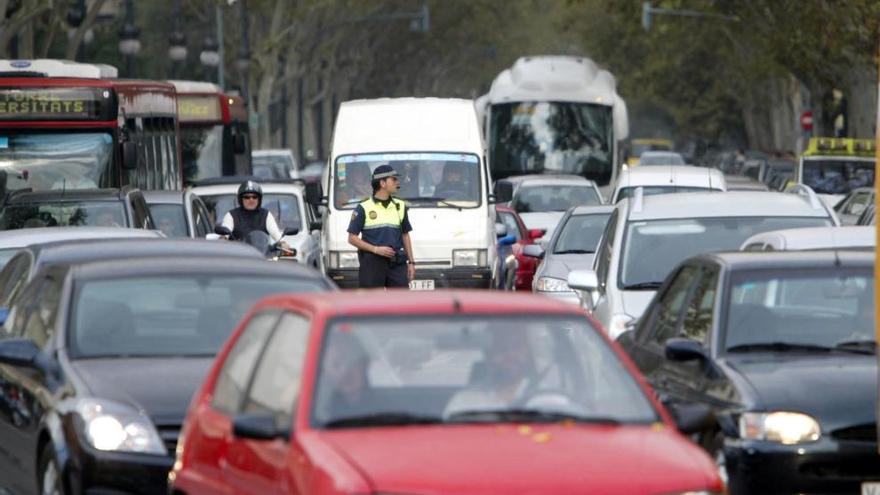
(432, 199)
(522, 415)
(643, 286)
(866, 346)
(383, 419)
(779, 347)
(574, 251)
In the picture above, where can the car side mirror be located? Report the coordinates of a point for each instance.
(503, 192)
(314, 194)
(19, 352)
(586, 284)
(537, 233)
(691, 418)
(678, 349)
(257, 426)
(291, 231)
(221, 230)
(507, 240)
(129, 155)
(500, 229)
(238, 144)
(533, 251)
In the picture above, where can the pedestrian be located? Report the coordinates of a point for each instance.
(379, 229)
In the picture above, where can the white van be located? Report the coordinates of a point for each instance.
(425, 140)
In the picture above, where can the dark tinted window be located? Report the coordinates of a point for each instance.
(581, 234)
(60, 214)
(698, 316)
(667, 315)
(236, 372)
(39, 321)
(553, 198)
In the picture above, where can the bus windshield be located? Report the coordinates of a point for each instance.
(432, 180)
(552, 137)
(47, 161)
(838, 176)
(202, 150)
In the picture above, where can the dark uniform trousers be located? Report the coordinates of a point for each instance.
(379, 271)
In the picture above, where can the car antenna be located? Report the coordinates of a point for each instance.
(836, 255)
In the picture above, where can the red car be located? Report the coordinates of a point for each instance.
(426, 393)
(515, 226)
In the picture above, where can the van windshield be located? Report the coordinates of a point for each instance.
(427, 180)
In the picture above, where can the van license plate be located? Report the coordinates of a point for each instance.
(872, 488)
(427, 285)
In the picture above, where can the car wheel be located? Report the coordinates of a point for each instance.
(49, 480)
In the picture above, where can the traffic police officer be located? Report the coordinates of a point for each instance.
(382, 222)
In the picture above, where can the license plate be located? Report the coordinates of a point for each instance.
(427, 285)
(871, 488)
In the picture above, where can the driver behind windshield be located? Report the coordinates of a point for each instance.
(357, 184)
(452, 186)
(506, 375)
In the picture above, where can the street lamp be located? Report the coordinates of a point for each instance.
(209, 57)
(177, 51)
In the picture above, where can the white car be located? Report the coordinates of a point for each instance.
(647, 236)
(652, 158)
(852, 237)
(542, 200)
(284, 200)
(667, 179)
(275, 164)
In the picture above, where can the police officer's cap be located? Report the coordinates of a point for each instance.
(384, 172)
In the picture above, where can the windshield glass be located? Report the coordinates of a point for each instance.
(581, 234)
(653, 248)
(49, 161)
(202, 151)
(170, 219)
(185, 314)
(627, 192)
(63, 214)
(269, 167)
(446, 368)
(426, 179)
(530, 199)
(552, 137)
(838, 176)
(817, 307)
(651, 158)
(284, 207)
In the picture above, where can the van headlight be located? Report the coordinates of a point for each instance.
(111, 426)
(344, 259)
(787, 428)
(469, 257)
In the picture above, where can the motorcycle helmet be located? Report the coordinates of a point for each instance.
(250, 187)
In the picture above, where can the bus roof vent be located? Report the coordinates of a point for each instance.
(56, 68)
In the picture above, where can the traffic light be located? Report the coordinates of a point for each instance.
(646, 16)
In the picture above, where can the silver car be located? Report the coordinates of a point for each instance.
(572, 247)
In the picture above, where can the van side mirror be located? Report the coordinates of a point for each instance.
(503, 192)
(239, 145)
(257, 426)
(291, 231)
(314, 194)
(129, 155)
(19, 352)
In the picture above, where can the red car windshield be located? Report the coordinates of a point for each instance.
(453, 369)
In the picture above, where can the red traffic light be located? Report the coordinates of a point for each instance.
(807, 121)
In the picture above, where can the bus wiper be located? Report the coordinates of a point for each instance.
(778, 347)
(865, 346)
(522, 415)
(433, 198)
(643, 286)
(383, 419)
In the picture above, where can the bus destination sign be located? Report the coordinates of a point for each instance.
(198, 108)
(56, 104)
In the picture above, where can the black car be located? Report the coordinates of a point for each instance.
(99, 361)
(28, 261)
(179, 213)
(777, 353)
(124, 207)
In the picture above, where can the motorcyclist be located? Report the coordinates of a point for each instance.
(250, 216)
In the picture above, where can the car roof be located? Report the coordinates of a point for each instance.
(791, 260)
(518, 179)
(109, 194)
(591, 210)
(27, 237)
(381, 303)
(92, 249)
(164, 197)
(186, 265)
(672, 175)
(727, 204)
(818, 237)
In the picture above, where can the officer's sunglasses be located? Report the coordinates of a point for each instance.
(249, 196)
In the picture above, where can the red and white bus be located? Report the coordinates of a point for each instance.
(67, 125)
(214, 135)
